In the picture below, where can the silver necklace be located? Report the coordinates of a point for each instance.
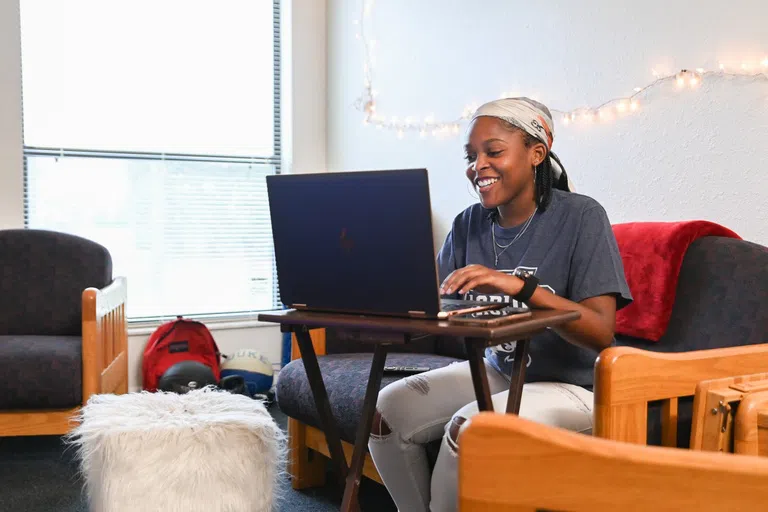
(505, 247)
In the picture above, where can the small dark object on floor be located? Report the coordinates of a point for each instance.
(268, 398)
(186, 375)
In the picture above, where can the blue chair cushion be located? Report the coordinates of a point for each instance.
(40, 372)
(345, 377)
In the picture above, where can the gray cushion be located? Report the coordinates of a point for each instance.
(345, 377)
(40, 372)
(42, 278)
(721, 298)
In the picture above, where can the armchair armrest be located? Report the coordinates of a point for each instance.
(509, 463)
(627, 378)
(105, 336)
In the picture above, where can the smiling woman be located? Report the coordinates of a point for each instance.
(529, 241)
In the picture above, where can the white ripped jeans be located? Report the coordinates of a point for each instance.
(421, 408)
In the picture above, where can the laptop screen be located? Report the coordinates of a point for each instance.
(355, 241)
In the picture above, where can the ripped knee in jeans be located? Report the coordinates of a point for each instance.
(452, 436)
(380, 427)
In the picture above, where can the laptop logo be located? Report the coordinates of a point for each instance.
(345, 242)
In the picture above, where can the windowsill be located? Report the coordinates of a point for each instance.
(143, 328)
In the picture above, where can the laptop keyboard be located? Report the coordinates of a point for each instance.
(454, 304)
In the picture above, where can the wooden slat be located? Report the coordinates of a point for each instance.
(93, 351)
(626, 422)
(669, 423)
(37, 423)
(315, 440)
(307, 469)
(114, 375)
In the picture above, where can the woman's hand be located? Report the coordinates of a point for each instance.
(482, 279)
(593, 330)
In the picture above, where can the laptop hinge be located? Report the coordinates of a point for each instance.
(417, 313)
(298, 306)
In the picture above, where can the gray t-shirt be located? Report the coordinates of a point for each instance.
(570, 247)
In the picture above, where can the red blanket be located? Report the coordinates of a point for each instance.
(652, 253)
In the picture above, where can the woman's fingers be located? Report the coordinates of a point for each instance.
(475, 282)
(458, 279)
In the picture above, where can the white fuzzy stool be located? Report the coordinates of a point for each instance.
(206, 451)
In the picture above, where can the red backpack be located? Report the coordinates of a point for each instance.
(176, 341)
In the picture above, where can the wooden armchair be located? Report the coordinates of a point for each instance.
(718, 328)
(63, 333)
(628, 379)
(507, 463)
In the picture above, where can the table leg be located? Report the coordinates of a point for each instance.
(349, 502)
(323, 406)
(518, 376)
(479, 377)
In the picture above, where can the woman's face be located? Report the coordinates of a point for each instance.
(500, 166)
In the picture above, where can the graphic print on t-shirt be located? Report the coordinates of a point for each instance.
(505, 353)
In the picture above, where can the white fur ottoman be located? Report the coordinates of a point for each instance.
(206, 451)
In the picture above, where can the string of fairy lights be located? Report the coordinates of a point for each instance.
(606, 111)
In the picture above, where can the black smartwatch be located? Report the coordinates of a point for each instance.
(530, 283)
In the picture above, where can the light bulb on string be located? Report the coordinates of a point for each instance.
(609, 110)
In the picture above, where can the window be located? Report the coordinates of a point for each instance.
(149, 127)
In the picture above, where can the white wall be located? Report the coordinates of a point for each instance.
(11, 161)
(304, 122)
(308, 78)
(686, 154)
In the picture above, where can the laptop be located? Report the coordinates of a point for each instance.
(359, 242)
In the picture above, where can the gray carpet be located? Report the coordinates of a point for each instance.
(38, 474)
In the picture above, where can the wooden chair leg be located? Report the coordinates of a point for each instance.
(307, 467)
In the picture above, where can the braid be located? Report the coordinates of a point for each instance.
(544, 183)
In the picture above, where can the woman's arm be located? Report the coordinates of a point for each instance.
(598, 314)
(595, 327)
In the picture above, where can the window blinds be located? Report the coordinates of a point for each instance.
(149, 127)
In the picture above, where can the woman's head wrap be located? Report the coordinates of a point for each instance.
(533, 118)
